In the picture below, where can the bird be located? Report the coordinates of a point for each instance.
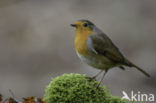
(96, 49)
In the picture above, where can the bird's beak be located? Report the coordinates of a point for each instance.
(73, 25)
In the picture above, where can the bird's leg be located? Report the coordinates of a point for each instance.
(94, 77)
(102, 78)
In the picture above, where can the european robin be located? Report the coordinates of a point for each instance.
(97, 50)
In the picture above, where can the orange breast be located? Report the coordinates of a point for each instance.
(81, 42)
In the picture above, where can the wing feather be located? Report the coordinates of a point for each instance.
(102, 45)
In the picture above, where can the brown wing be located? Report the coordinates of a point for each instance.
(102, 45)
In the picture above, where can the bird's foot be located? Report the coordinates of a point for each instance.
(91, 78)
(97, 86)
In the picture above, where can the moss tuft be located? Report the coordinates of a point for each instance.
(76, 88)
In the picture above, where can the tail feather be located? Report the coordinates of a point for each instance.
(141, 70)
(130, 64)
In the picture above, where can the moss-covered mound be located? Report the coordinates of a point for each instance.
(76, 88)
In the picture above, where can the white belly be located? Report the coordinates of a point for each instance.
(97, 61)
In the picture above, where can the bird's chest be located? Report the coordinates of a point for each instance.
(81, 43)
(81, 46)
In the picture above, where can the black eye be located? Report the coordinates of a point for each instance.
(85, 25)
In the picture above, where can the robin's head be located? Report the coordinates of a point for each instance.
(83, 25)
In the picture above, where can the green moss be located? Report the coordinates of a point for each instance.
(76, 88)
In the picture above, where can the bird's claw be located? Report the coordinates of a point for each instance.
(91, 78)
(97, 86)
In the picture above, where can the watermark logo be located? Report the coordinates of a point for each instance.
(138, 96)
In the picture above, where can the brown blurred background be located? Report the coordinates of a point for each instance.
(37, 42)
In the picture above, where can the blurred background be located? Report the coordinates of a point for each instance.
(37, 42)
